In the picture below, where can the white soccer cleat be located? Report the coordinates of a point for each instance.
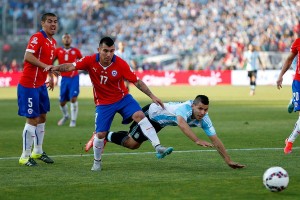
(72, 123)
(96, 166)
(62, 121)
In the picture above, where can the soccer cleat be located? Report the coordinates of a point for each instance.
(288, 147)
(27, 162)
(97, 165)
(290, 107)
(62, 121)
(161, 151)
(72, 123)
(43, 157)
(89, 144)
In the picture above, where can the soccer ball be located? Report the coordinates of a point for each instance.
(275, 179)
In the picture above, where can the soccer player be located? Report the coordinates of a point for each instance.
(108, 72)
(33, 99)
(294, 51)
(191, 113)
(251, 57)
(69, 87)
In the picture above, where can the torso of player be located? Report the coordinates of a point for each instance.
(68, 56)
(168, 116)
(108, 82)
(43, 49)
(296, 49)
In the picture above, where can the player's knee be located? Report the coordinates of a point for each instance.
(138, 116)
(101, 135)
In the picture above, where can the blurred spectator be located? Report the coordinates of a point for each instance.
(196, 27)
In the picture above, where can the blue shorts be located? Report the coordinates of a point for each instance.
(105, 113)
(296, 95)
(69, 88)
(33, 102)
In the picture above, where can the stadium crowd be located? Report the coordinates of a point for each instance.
(211, 32)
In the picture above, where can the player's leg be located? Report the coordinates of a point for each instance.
(44, 104)
(29, 108)
(133, 109)
(103, 119)
(253, 82)
(74, 92)
(63, 99)
(291, 139)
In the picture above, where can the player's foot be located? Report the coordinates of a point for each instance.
(43, 157)
(73, 123)
(161, 151)
(288, 147)
(62, 121)
(252, 92)
(290, 107)
(27, 162)
(97, 165)
(89, 144)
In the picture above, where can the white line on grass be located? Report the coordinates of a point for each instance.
(136, 153)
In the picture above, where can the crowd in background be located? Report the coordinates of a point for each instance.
(193, 29)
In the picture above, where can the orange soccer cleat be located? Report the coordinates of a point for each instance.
(89, 144)
(288, 147)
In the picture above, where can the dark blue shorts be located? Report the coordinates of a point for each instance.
(104, 115)
(33, 102)
(69, 88)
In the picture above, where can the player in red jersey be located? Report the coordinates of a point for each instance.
(294, 52)
(33, 99)
(69, 85)
(108, 72)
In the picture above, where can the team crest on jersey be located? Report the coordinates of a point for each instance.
(30, 111)
(114, 73)
(73, 52)
(34, 40)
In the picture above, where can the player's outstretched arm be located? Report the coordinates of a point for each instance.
(186, 129)
(222, 151)
(144, 88)
(286, 66)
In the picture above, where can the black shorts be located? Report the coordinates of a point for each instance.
(136, 131)
(252, 73)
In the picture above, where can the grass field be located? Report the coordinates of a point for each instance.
(253, 130)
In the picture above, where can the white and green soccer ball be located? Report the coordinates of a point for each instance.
(276, 179)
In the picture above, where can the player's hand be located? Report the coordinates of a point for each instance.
(48, 68)
(50, 84)
(157, 101)
(204, 143)
(279, 83)
(235, 165)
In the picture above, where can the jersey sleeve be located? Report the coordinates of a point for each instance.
(83, 63)
(295, 46)
(34, 44)
(207, 126)
(184, 111)
(129, 74)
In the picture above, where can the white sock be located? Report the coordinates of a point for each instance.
(39, 138)
(97, 147)
(64, 110)
(28, 137)
(149, 131)
(295, 132)
(74, 111)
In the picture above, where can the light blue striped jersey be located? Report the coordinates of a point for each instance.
(168, 116)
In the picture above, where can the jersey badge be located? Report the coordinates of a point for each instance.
(114, 73)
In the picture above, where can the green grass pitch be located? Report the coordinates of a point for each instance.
(253, 130)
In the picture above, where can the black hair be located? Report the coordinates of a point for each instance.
(45, 15)
(201, 99)
(107, 40)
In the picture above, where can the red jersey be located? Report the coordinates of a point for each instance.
(295, 48)
(108, 82)
(43, 49)
(68, 56)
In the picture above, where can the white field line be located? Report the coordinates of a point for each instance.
(140, 153)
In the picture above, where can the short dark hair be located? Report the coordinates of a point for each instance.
(201, 98)
(45, 15)
(107, 40)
